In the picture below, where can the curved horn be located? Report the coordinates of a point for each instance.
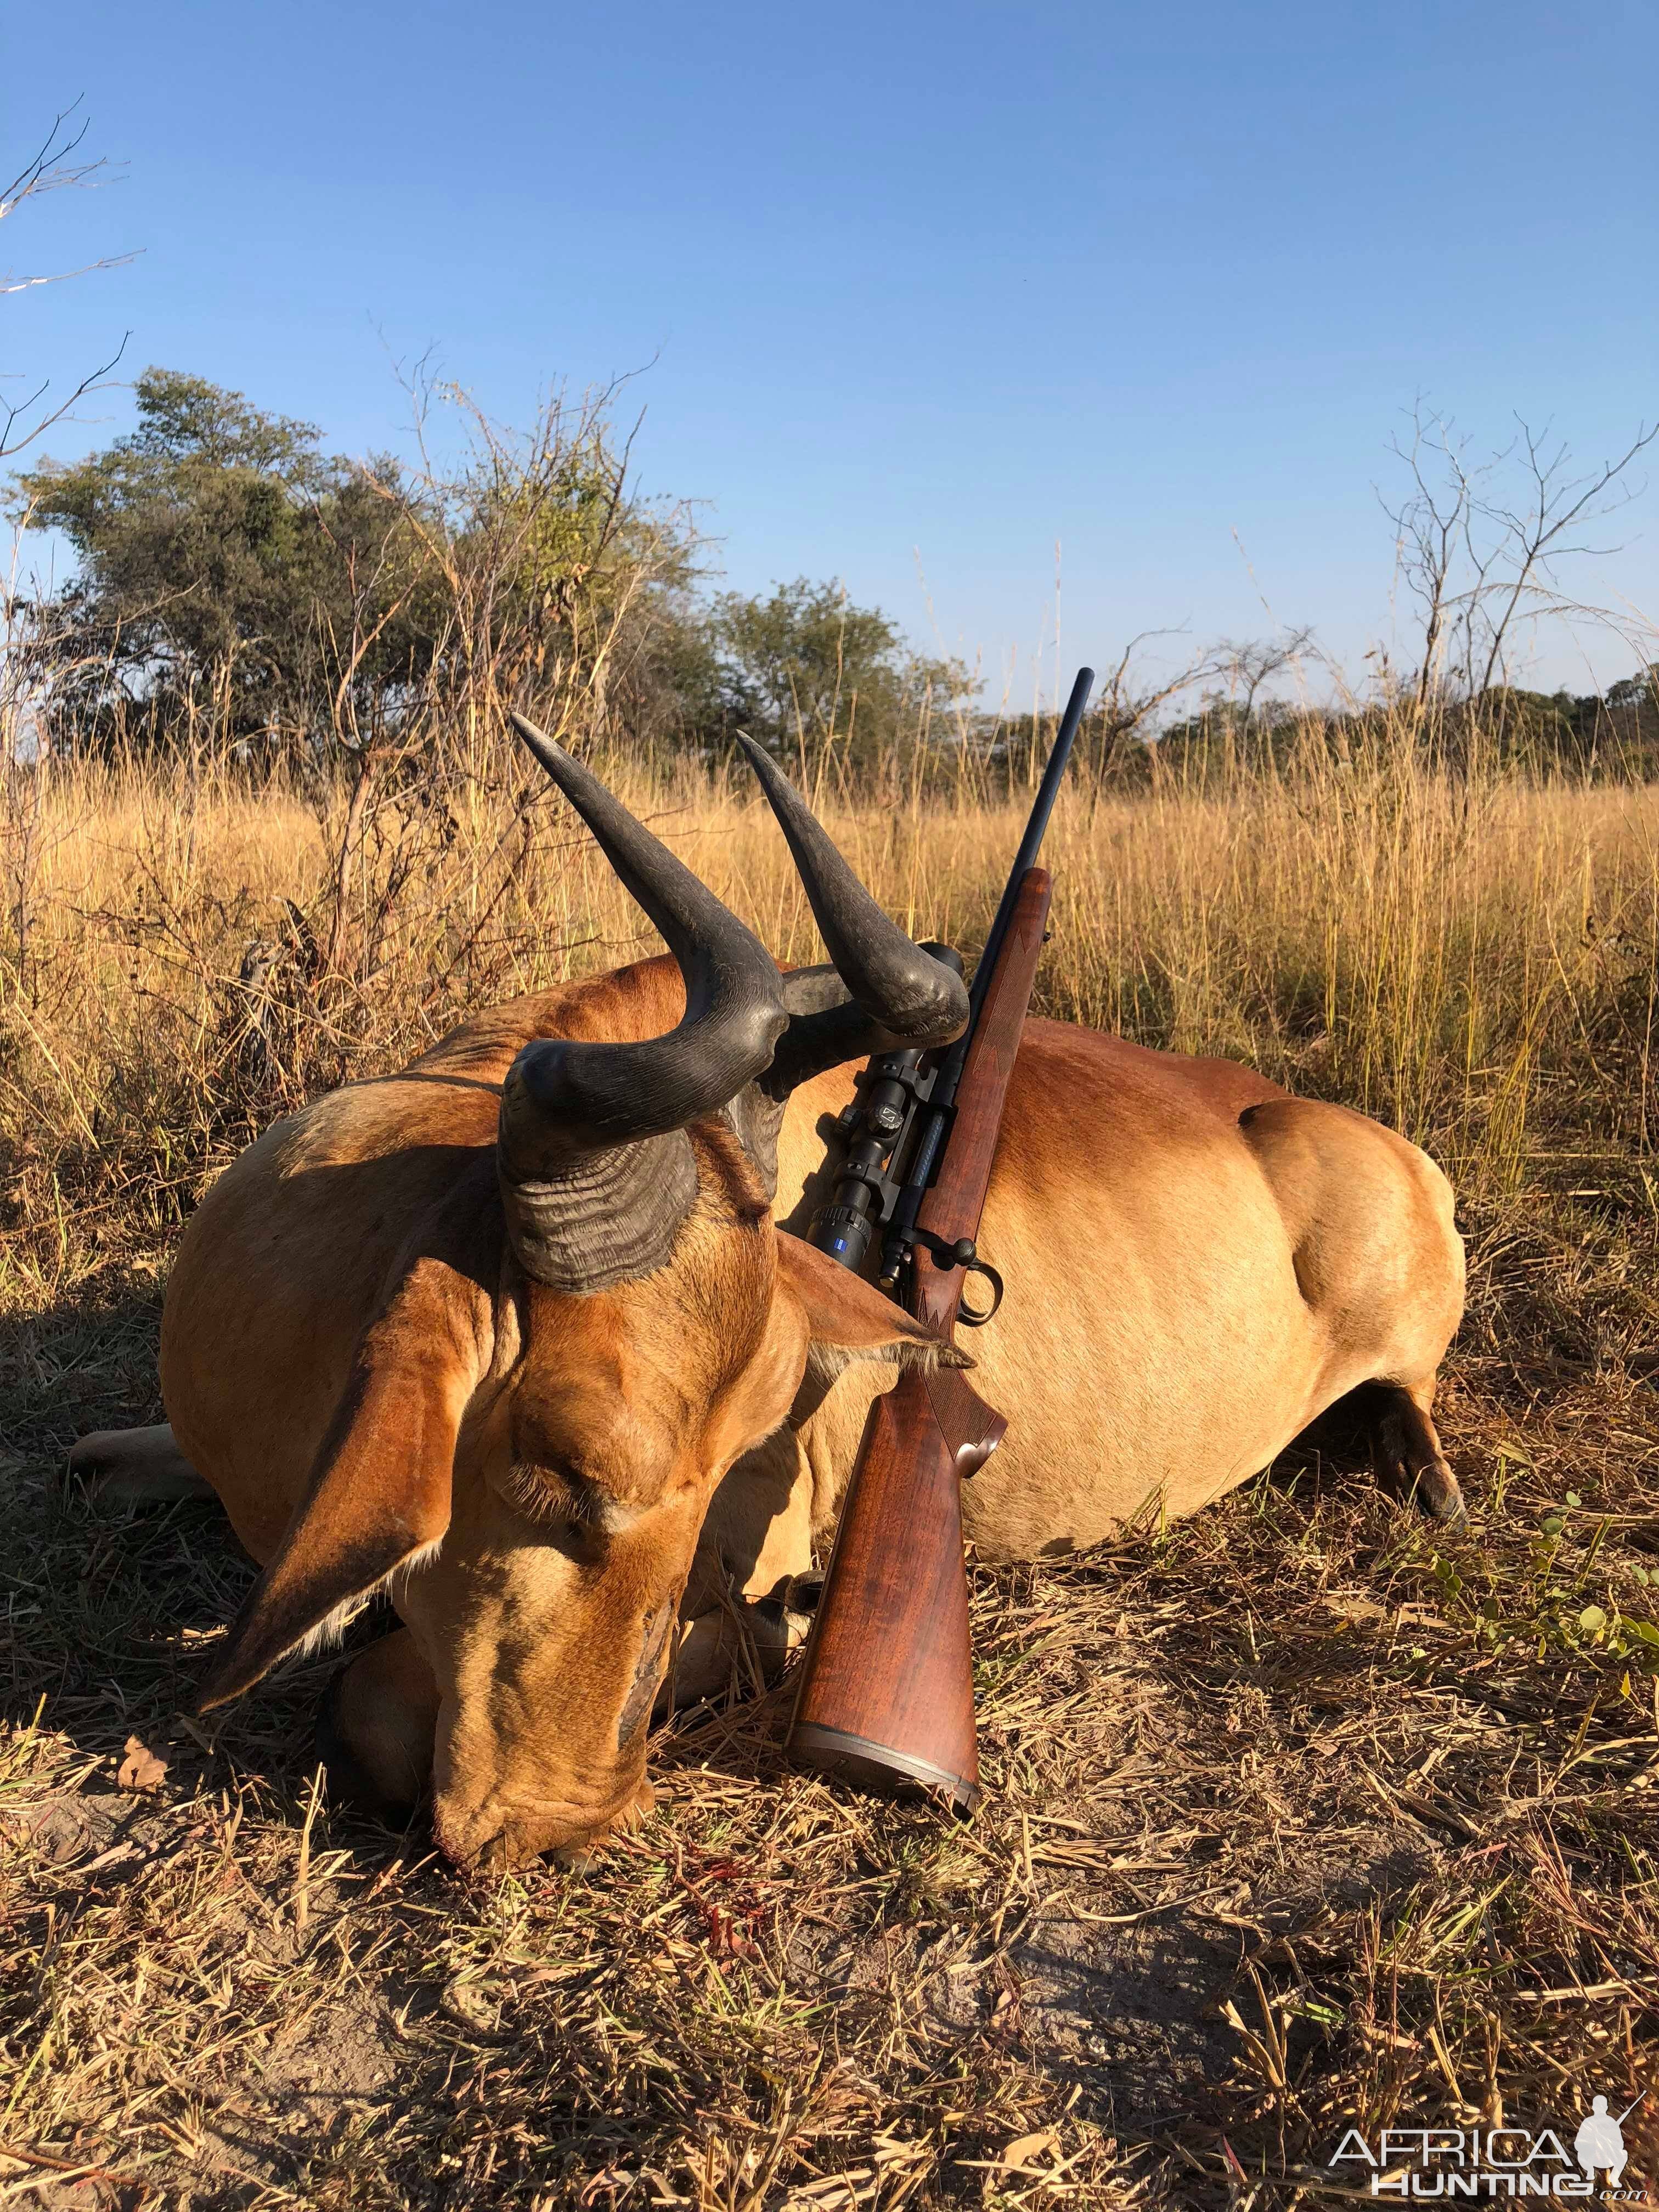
(902, 990)
(567, 1105)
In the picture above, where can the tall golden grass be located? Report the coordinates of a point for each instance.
(1472, 959)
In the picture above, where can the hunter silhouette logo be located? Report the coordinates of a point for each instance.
(1419, 2164)
(1600, 2140)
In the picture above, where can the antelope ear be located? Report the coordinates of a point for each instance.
(378, 1498)
(850, 1320)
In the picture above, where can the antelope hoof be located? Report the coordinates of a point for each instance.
(135, 1467)
(1436, 1493)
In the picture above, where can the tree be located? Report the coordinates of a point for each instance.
(228, 569)
(236, 582)
(1479, 556)
(1640, 689)
(804, 669)
(553, 575)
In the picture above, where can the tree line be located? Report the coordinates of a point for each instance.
(238, 586)
(235, 581)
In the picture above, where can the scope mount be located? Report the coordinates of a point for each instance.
(872, 1127)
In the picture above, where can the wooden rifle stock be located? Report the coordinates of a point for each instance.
(886, 1693)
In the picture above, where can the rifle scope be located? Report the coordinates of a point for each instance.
(889, 1088)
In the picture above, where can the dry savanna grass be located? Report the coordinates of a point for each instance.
(1302, 1815)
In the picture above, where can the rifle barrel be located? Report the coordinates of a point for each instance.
(935, 1117)
(1031, 844)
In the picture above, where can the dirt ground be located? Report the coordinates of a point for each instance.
(1305, 1815)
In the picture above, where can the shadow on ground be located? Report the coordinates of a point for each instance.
(1258, 1795)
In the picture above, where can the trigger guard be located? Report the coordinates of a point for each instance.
(975, 1316)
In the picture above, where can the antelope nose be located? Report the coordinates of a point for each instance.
(497, 1835)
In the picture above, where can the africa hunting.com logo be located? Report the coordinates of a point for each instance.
(1423, 2164)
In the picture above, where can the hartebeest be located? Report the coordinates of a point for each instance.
(520, 1335)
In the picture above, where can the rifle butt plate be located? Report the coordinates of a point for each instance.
(878, 1766)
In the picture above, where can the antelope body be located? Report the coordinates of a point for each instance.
(522, 1336)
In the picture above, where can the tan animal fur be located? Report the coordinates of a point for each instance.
(1197, 1267)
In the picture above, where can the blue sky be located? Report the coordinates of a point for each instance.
(915, 282)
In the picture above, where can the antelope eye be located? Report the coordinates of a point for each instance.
(556, 1498)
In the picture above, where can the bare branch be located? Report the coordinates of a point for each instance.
(1534, 539)
(1252, 662)
(62, 276)
(49, 170)
(13, 440)
(1478, 561)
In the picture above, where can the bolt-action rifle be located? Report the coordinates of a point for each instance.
(886, 1694)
